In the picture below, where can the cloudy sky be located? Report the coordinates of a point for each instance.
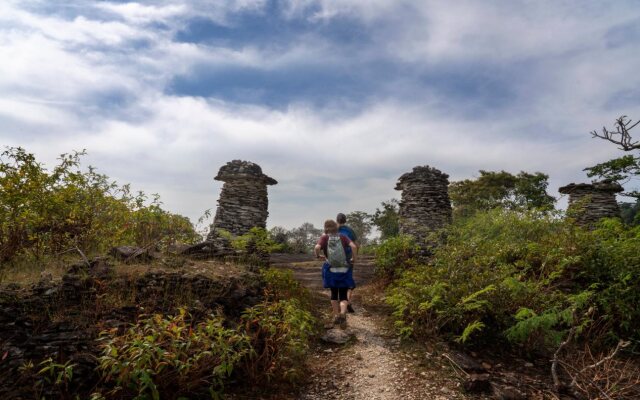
(333, 98)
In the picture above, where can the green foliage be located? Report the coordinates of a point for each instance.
(526, 277)
(629, 212)
(385, 219)
(279, 328)
(174, 356)
(360, 222)
(279, 333)
(45, 213)
(303, 238)
(617, 169)
(280, 236)
(258, 240)
(394, 255)
(281, 285)
(500, 190)
(171, 355)
(622, 168)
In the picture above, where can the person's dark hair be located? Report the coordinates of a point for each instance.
(341, 218)
(330, 226)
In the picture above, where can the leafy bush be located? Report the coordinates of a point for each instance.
(170, 355)
(526, 277)
(394, 255)
(176, 356)
(279, 333)
(45, 213)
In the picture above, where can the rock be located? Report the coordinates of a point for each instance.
(337, 336)
(590, 202)
(528, 365)
(486, 365)
(505, 392)
(131, 253)
(467, 363)
(425, 206)
(477, 383)
(243, 204)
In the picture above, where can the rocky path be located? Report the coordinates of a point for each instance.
(373, 364)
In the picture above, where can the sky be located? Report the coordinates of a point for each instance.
(335, 99)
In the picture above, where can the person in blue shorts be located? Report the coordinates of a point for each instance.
(334, 270)
(343, 229)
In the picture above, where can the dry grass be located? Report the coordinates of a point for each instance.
(603, 376)
(27, 274)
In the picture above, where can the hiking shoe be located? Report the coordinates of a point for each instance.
(350, 309)
(343, 321)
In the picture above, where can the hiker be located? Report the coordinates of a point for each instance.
(335, 269)
(341, 219)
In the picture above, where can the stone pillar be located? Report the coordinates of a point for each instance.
(243, 202)
(424, 206)
(589, 202)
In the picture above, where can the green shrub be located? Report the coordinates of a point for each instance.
(281, 285)
(172, 355)
(526, 277)
(46, 213)
(175, 356)
(279, 333)
(394, 255)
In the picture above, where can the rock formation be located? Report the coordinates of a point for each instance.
(589, 202)
(424, 206)
(243, 204)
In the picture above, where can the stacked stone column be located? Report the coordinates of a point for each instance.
(425, 206)
(590, 202)
(243, 204)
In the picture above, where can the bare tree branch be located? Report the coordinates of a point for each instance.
(621, 135)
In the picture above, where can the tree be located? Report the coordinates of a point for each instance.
(360, 222)
(622, 168)
(385, 219)
(630, 212)
(303, 238)
(281, 236)
(500, 190)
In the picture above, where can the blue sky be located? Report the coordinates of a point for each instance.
(334, 99)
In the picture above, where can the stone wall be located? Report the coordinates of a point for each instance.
(424, 206)
(589, 202)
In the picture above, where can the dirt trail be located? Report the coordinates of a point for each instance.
(374, 365)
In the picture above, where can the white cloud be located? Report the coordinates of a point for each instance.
(56, 71)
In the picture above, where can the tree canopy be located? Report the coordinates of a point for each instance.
(500, 190)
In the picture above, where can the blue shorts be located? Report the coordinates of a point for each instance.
(337, 279)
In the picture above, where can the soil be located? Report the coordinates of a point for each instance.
(374, 364)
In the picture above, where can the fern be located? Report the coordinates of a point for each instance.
(475, 326)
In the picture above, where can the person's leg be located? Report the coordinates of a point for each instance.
(335, 304)
(350, 291)
(344, 303)
(349, 296)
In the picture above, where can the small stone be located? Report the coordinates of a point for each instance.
(486, 365)
(477, 383)
(528, 364)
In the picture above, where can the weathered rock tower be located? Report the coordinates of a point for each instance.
(424, 206)
(243, 202)
(589, 202)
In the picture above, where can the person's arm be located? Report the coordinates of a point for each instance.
(354, 251)
(316, 250)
